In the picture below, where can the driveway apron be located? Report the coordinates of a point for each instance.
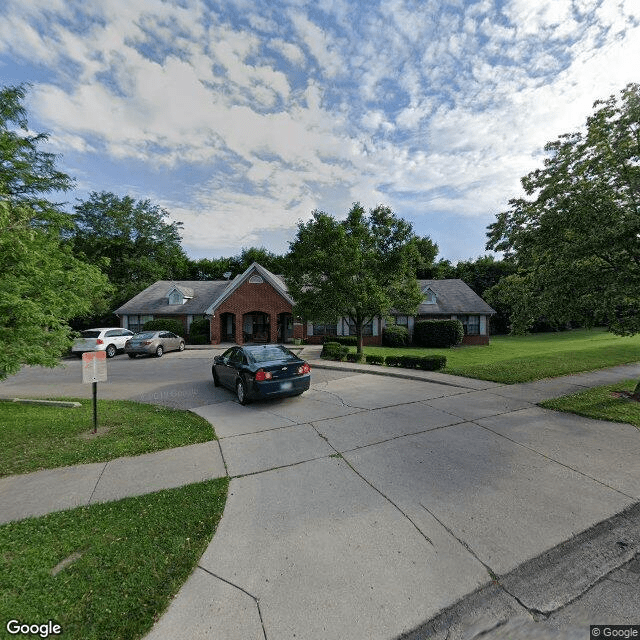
(368, 505)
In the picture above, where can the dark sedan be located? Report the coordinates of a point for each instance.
(261, 371)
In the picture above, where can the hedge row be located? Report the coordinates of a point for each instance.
(350, 341)
(335, 351)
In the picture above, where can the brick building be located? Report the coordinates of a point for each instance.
(256, 307)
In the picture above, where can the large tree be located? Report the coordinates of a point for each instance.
(358, 268)
(42, 284)
(133, 242)
(575, 237)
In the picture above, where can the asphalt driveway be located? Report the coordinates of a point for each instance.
(369, 504)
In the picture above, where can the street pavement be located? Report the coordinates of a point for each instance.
(428, 506)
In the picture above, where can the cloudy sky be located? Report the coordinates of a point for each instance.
(242, 116)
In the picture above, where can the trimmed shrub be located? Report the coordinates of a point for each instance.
(409, 362)
(374, 359)
(164, 324)
(432, 363)
(199, 338)
(334, 351)
(394, 335)
(438, 333)
(393, 361)
(350, 341)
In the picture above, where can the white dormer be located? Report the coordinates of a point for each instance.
(429, 296)
(176, 296)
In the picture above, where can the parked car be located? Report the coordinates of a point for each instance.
(153, 343)
(109, 339)
(261, 371)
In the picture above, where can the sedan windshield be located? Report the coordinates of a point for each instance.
(269, 353)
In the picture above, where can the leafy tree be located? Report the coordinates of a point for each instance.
(575, 238)
(358, 268)
(42, 284)
(427, 250)
(131, 241)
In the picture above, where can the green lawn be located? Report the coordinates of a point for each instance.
(43, 437)
(124, 561)
(512, 359)
(599, 403)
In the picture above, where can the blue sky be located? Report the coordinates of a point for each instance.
(242, 117)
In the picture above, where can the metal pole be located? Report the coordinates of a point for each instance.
(95, 407)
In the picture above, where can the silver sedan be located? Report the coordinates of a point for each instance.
(153, 343)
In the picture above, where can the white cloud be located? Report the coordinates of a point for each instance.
(427, 106)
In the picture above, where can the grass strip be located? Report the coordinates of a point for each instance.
(601, 403)
(514, 359)
(44, 437)
(124, 561)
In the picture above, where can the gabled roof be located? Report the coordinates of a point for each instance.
(452, 296)
(254, 269)
(153, 300)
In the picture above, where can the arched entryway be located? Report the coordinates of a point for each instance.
(228, 327)
(285, 327)
(256, 327)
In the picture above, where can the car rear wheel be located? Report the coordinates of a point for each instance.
(159, 352)
(111, 350)
(181, 347)
(132, 355)
(241, 392)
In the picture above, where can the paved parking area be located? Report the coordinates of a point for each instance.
(369, 504)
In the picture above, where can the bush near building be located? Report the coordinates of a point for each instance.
(438, 333)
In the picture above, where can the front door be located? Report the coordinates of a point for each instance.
(256, 327)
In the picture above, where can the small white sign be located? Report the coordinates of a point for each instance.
(94, 366)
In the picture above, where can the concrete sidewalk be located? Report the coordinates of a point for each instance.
(42, 492)
(379, 505)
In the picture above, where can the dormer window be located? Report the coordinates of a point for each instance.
(176, 297)
(429, 297)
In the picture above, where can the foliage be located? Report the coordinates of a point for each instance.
(42, 284)
(394, 335)
(334, 351)
(164, 324)
(426, 363)
(427, 252)
(374, 359)
(350, 341)
(575, 236)
(438, 333)
(215, 268)
(126, 561)
(522, 358)
(131, 241)
(358, 268)
(200, 331)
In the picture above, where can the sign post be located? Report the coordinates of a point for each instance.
(94, 370)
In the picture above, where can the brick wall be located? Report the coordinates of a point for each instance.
(251, 297)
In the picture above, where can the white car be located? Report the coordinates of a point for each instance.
(109, 339)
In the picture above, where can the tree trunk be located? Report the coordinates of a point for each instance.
(359, 338)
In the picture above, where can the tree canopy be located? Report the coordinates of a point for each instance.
(133, 242)
(575, 237)
(358, 268)
(42, 284)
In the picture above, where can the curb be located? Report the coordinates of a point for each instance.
(539, 587)
(48, 403)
